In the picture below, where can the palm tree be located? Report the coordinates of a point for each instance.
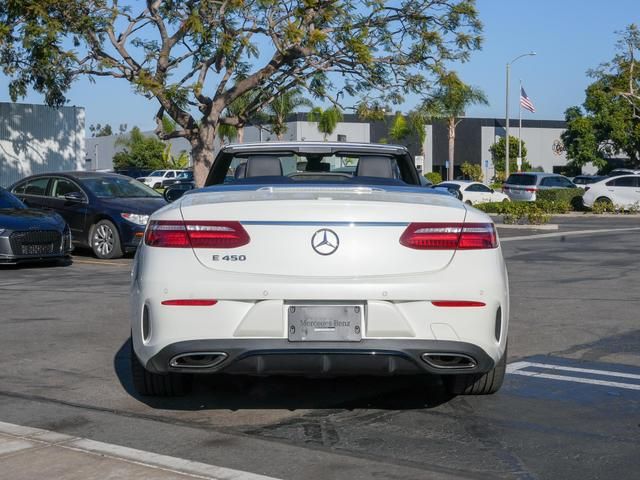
(450, 101)
(327, 119)
(413, 123)
(283, 106)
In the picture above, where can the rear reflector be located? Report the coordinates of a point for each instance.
(196, 234)
(457, 303)
(449, 236)
(190, 302)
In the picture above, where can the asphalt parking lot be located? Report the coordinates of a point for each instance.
(569, 409)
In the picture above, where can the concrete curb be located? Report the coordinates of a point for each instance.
(31, 437)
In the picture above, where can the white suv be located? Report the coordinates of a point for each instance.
(157, 178)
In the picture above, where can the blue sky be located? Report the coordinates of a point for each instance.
(569, 36)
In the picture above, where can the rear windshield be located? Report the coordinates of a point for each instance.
(7, 200)
(521, 179)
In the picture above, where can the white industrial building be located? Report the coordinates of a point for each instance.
(37, 138)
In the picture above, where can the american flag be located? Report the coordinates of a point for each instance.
(525, 102)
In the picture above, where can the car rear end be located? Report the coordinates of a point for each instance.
(325, 281)
(522, 186)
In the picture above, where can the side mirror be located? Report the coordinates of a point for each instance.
(174, 192)
(493, 191)
(74, 197)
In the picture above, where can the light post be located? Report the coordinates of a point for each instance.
(506, 140)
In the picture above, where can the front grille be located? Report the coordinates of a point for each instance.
(36, 242)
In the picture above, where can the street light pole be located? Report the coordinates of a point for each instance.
(506, 140)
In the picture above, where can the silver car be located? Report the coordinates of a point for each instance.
(525, 186)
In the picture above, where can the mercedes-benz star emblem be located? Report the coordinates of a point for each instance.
(325, 242)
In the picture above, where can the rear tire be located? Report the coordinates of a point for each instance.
(155, 384)
(604, 201)
(478, 384)
(468, 202)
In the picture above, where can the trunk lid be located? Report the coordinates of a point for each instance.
(323, 231)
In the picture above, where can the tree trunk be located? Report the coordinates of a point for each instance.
(280, 136)
(452, 144)
(240, 136)
(202, 153)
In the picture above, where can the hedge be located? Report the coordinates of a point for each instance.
(571, 198)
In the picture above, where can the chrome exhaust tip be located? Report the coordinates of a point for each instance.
(446, 361)
(196, 360)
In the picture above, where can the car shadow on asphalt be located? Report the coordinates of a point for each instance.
(31, 265)
(232, 392)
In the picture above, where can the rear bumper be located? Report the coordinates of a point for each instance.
(282, 357)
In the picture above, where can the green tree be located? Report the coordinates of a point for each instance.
(187, 54)
(170, 161)
(139, 151)
(609, 120)
(412, 124)
(282, 106)
(399, 128)
(498, 156)
(472, 171)
(450, 102)
(327, 119)
(100, 130)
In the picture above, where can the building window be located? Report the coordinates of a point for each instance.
(342, 138)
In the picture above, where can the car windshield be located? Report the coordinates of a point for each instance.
(322, 167)
(520, 179)
(7, 200)
(157, 173)
(453, 186)
(118, 187)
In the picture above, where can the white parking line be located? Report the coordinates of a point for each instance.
(30, 436)
(518, 368)
(568, 234)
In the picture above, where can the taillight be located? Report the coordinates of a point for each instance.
(531, 190)
(196, 234)
(449, 236)
(190, 302)
(457, 303)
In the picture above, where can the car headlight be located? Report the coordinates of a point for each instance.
(137, 218)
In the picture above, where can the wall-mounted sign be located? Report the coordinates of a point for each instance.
(557, 147)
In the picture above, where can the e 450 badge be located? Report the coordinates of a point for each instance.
(229, 258)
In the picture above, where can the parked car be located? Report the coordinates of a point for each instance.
(30, 235)
(582, 181)
(623, 171)
(622, 191)
(525, 186)
(473, 192)
(183, 177)
(105, 211)
(157, 178)
(134, 172)
(318, 273)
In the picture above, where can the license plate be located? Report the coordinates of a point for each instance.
(325, 323)
(44, 249)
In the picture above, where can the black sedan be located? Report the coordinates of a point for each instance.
(30, 235)
(106, 212)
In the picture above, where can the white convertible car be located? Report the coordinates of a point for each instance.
(297, 265)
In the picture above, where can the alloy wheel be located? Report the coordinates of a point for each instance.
(103, 240)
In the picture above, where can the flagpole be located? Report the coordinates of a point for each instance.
(519, 160)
